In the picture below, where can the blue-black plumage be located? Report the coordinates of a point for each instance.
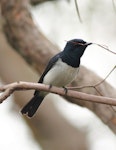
(61, 70)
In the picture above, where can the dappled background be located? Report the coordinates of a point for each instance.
(59, 22)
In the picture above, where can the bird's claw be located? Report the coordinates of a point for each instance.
(50, 86)
(65, 90)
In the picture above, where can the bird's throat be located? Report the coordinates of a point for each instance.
(71, 60)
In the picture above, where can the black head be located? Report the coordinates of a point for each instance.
(73, 51)
(76, 47)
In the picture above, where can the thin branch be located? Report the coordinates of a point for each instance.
(16, 86)
(95, 85)
(105, 47)
(114, 6)
(77, 10)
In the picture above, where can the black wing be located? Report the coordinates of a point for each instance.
(51, 63)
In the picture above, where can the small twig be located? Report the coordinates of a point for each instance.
(16, 86)
(114, 6)
(80, 87)
(77, 10)
(105, 47)
(95, 85)
(85, 86)
(6, 94)
(98, 91)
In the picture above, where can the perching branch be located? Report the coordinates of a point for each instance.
(40, 48)
(16, 86)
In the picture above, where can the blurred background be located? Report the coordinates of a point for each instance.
(59, 22)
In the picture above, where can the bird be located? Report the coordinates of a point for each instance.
(60, 71)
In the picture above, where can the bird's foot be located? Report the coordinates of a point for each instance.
(65, 90)
(50, 86)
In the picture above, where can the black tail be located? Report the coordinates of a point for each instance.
(31, 107)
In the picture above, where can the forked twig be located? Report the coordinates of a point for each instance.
(95, 85)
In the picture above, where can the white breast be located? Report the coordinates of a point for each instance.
(61, 74)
